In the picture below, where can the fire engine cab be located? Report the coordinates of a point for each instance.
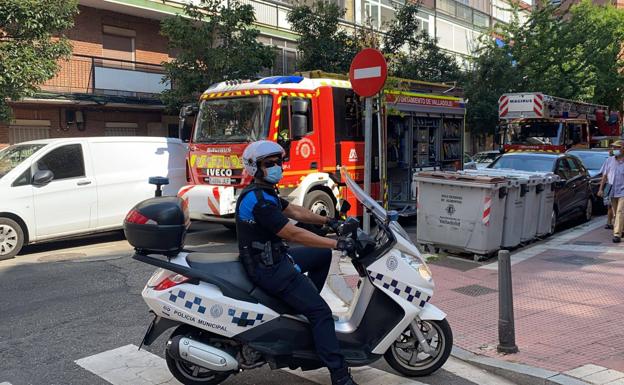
(535, 121)
(317, 121)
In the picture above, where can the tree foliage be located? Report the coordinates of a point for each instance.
(410, 51)
(31, 44)
(413, 54)
(575, 55)
(213, 43)
(322, 44)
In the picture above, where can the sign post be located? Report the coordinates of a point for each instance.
(368, 75)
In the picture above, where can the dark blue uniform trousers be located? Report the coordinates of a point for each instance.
(303, 294)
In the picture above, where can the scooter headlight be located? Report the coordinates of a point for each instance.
(424, 272)
(419, 266)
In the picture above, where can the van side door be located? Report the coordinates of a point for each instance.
(68, 203)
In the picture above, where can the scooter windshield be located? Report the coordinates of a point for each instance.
(363, 197)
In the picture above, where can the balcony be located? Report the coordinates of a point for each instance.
(108, 77)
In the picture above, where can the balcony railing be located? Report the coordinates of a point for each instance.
(104, 76)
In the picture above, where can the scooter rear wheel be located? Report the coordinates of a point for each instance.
(407, 357)
(189, 373)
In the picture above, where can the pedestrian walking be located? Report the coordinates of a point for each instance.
(605, 197)
(612, 186)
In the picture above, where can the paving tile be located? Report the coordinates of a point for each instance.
(604, 377)
(585, 370)
(615, 362)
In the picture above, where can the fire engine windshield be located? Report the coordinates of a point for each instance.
(244, 119)
(535, 133)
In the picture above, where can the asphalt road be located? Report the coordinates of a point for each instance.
(64, 301)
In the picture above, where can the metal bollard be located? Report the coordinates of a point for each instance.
(506, 328)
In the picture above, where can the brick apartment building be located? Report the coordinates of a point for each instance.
(110, 85)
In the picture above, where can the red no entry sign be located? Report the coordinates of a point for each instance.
(368, 72)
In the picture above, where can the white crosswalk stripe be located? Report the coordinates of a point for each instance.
(364, 376)
(127, 365)
(5, 383)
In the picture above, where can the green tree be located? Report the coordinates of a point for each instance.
(31, 44)
(576, 55)
(322, 44)
(213, 42)
(491, 74)
(413, 54)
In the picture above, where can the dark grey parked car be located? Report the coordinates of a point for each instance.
(593, 159)
(573, 196)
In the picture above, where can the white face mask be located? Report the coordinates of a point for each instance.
(617, 153)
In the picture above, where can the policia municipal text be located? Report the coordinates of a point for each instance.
(262, 225)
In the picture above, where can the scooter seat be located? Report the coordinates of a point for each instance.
(227, 268)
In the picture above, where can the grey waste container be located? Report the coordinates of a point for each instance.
(461, 212)
(546, 194)
(517, 188)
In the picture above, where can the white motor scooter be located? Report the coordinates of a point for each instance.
(225, 324)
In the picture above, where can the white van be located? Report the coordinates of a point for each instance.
(57, 188)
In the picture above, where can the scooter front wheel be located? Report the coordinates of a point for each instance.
(407, 357)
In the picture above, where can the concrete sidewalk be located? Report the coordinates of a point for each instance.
(568, 302)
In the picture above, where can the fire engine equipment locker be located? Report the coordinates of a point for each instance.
(425, 132)
(461, 212)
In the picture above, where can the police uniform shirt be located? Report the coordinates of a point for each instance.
(267, 214)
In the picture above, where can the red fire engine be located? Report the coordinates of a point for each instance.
(317, 121)
(535, 121)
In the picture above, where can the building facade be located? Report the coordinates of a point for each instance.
(112, 82)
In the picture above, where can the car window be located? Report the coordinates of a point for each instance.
(574, 169)
(592, 160)
(579, 164)
(563, 169)
(524, 163)
(65, 162)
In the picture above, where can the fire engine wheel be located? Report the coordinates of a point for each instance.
(319, 202)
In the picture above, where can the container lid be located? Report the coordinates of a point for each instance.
(462, 179)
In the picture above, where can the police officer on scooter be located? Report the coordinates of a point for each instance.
(262, 225)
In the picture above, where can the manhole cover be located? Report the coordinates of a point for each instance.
(578, 260)
(474, 290)
(61, 257)
(586, 243)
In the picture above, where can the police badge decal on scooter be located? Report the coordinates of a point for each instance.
(225, 324)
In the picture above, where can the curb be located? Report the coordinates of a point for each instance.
(518, 373)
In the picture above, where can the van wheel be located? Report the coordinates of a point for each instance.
(319, 202)
(11, 238)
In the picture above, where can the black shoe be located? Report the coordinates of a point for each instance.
(609, 227)
(616, 239)
(342, 376)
